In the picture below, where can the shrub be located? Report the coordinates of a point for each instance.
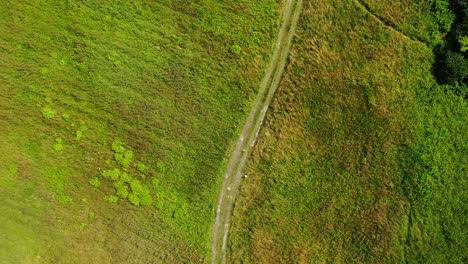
(48, 112)
(112, 174)
(235, 49)
(155, 182)
(83, 226)
(58, 147)
(65, 116)
(111, 199)
(115, 175)
(456, 67)
(126, 159)
(118, 157)
(140, 194)
(78, 135)
(128, 154)
(91, 216)
(83, 126)
(141, 167)
(443, 15)
(117, 146)
(145, 198)
(95, 182)
(136, 186)
(58, 144)
(64, 199)
(463, 43)
(125, 178)
(123, 157)
(121, 189)
(134, 199)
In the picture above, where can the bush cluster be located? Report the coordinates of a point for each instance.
(126, 187)
(48, 112)
(122, 157)
(452, 54)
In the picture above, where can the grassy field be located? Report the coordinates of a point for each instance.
(363, 157)
(116, 118)
(427, 21)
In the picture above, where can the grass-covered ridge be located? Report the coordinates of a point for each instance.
(171, 80)
(363, 156)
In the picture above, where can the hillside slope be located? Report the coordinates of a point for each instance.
(363, 156)
(116, 117)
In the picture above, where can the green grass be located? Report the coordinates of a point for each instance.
(172, 80)
(362, 159)
(427, 20)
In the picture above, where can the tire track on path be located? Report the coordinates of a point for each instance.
(250, 130)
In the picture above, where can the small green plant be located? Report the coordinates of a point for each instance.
(140, 194)
(48, 112)
(79, 134)
(125, 178)
(141, 167)
(111, 199)
(124, 159)
(66, 116)
(180, 212)
(235, 49)
(91, 216)
(155, 182)
(95, 182)
(127, 159)
(83, 126)
(111, 174)
(58, 146)
(126, 186)
(121, 189)
(83, 226)
(134, 199)
(463, 43)
(117, 146)
(122, 156)
(64, 199)
(161, 167)
(145, 198)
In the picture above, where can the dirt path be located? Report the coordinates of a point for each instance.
(251, 128)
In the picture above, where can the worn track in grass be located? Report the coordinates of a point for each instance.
(388, 23)
(250, 130)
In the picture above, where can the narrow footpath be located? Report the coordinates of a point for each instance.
(248, 136)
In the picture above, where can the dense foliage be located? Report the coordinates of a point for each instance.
(452, 52)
